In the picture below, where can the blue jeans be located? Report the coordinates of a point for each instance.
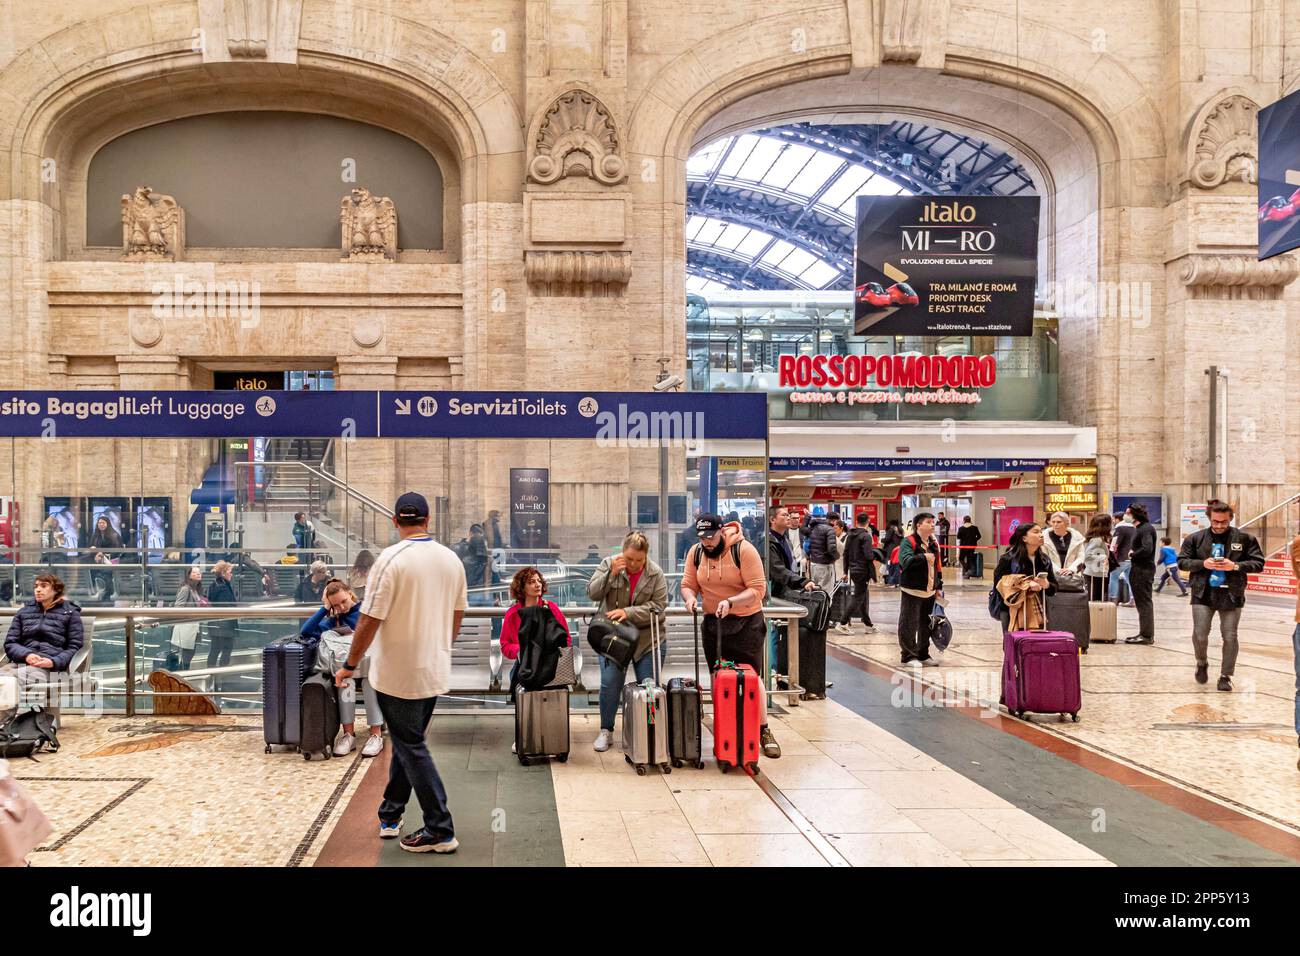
(411, 766)
(1295, 643)
(612, 680)
(1120, 572)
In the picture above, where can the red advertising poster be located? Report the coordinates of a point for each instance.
(1008, 519)
(872, 512)
(996, 503)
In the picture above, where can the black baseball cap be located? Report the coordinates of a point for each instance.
(706, 526)
(411, 505)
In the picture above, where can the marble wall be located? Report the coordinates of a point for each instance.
(563, 128)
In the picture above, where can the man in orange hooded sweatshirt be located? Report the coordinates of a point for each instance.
(724, 573)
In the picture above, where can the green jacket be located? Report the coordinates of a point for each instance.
(611, 592)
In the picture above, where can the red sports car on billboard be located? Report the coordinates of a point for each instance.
(874, 294)
(900, 293)
(1278, 209)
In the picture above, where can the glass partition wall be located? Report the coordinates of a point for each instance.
(123, 521)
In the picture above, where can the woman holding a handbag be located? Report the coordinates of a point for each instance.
(527, 588)
(186, 634)
(628, 589)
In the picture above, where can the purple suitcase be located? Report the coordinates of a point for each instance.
(1040, 673)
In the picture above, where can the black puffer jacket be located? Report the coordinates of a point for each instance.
(822, 548)
(55, 633)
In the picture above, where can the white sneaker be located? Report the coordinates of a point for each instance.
(374, 744)
(603, 741)
(843, 628)
(869, 629)
(345, 745)
(930, 662)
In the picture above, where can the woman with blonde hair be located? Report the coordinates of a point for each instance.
(333, 625)
(629, 588)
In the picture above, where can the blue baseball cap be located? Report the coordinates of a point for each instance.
(411, 505)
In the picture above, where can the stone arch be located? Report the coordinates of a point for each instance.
(61, 89)
(1115, 141)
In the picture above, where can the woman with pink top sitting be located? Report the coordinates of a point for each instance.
(527, 588)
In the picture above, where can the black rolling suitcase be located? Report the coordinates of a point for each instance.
(285, 665)
(976, 564)
(319, 707)
(685, 714)
(841, 602)
(1067, 610)
(812, 640)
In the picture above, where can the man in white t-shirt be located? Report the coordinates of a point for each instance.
(415, 599)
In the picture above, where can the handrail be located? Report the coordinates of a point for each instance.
(1265, 514)
(326, 476)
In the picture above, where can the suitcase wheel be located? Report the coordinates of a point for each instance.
(523, 761)
(268, 749)
(752, 769)
(677, 763)
(562, 758)
(306, 756)
(699, 765)
(1074, 717)
(666, 768)
(724, 767)
(640, 770)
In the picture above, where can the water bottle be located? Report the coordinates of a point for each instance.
(1217, 578)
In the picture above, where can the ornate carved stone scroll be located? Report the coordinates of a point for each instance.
(1225, 148)
(369, 227)
(153, 227)
(577, 138)
(1238, 277)
(577, 273)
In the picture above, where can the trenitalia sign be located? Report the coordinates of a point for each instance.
(872, 375)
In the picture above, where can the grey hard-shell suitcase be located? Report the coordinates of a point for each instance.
(645, 716)
(542, 724)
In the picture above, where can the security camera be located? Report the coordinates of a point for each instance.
(669, 384)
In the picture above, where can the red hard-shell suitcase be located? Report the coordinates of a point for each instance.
(1040, 673)
(737, 715)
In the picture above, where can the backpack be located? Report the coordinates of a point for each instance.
(996, 604)
(699, 550)
(27, 733)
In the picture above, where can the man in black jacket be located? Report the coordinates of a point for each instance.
(1142, 574)
(968, 537)
(1217, 560)
(822, 551)
(860, 564)
(785, 581)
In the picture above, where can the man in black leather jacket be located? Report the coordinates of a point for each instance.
(1217, 560)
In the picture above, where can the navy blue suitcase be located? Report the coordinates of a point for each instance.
(285, 665)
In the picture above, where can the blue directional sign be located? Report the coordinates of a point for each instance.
(897, 464)
(187, 414)
(625, 418)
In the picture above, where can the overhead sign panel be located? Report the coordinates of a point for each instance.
(959, 265)
(618, 418)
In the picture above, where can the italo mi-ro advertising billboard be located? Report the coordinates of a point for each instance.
(959, 265)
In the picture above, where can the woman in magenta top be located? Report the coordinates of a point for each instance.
(527, 588)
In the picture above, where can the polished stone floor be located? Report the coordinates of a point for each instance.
(896, 768)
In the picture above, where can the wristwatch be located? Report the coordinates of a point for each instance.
(349, 666)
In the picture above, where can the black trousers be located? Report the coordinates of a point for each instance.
(914, 627)
(1140, 580)
(745, 645)
(861, 603)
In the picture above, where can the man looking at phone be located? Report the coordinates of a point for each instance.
(1217, 560)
